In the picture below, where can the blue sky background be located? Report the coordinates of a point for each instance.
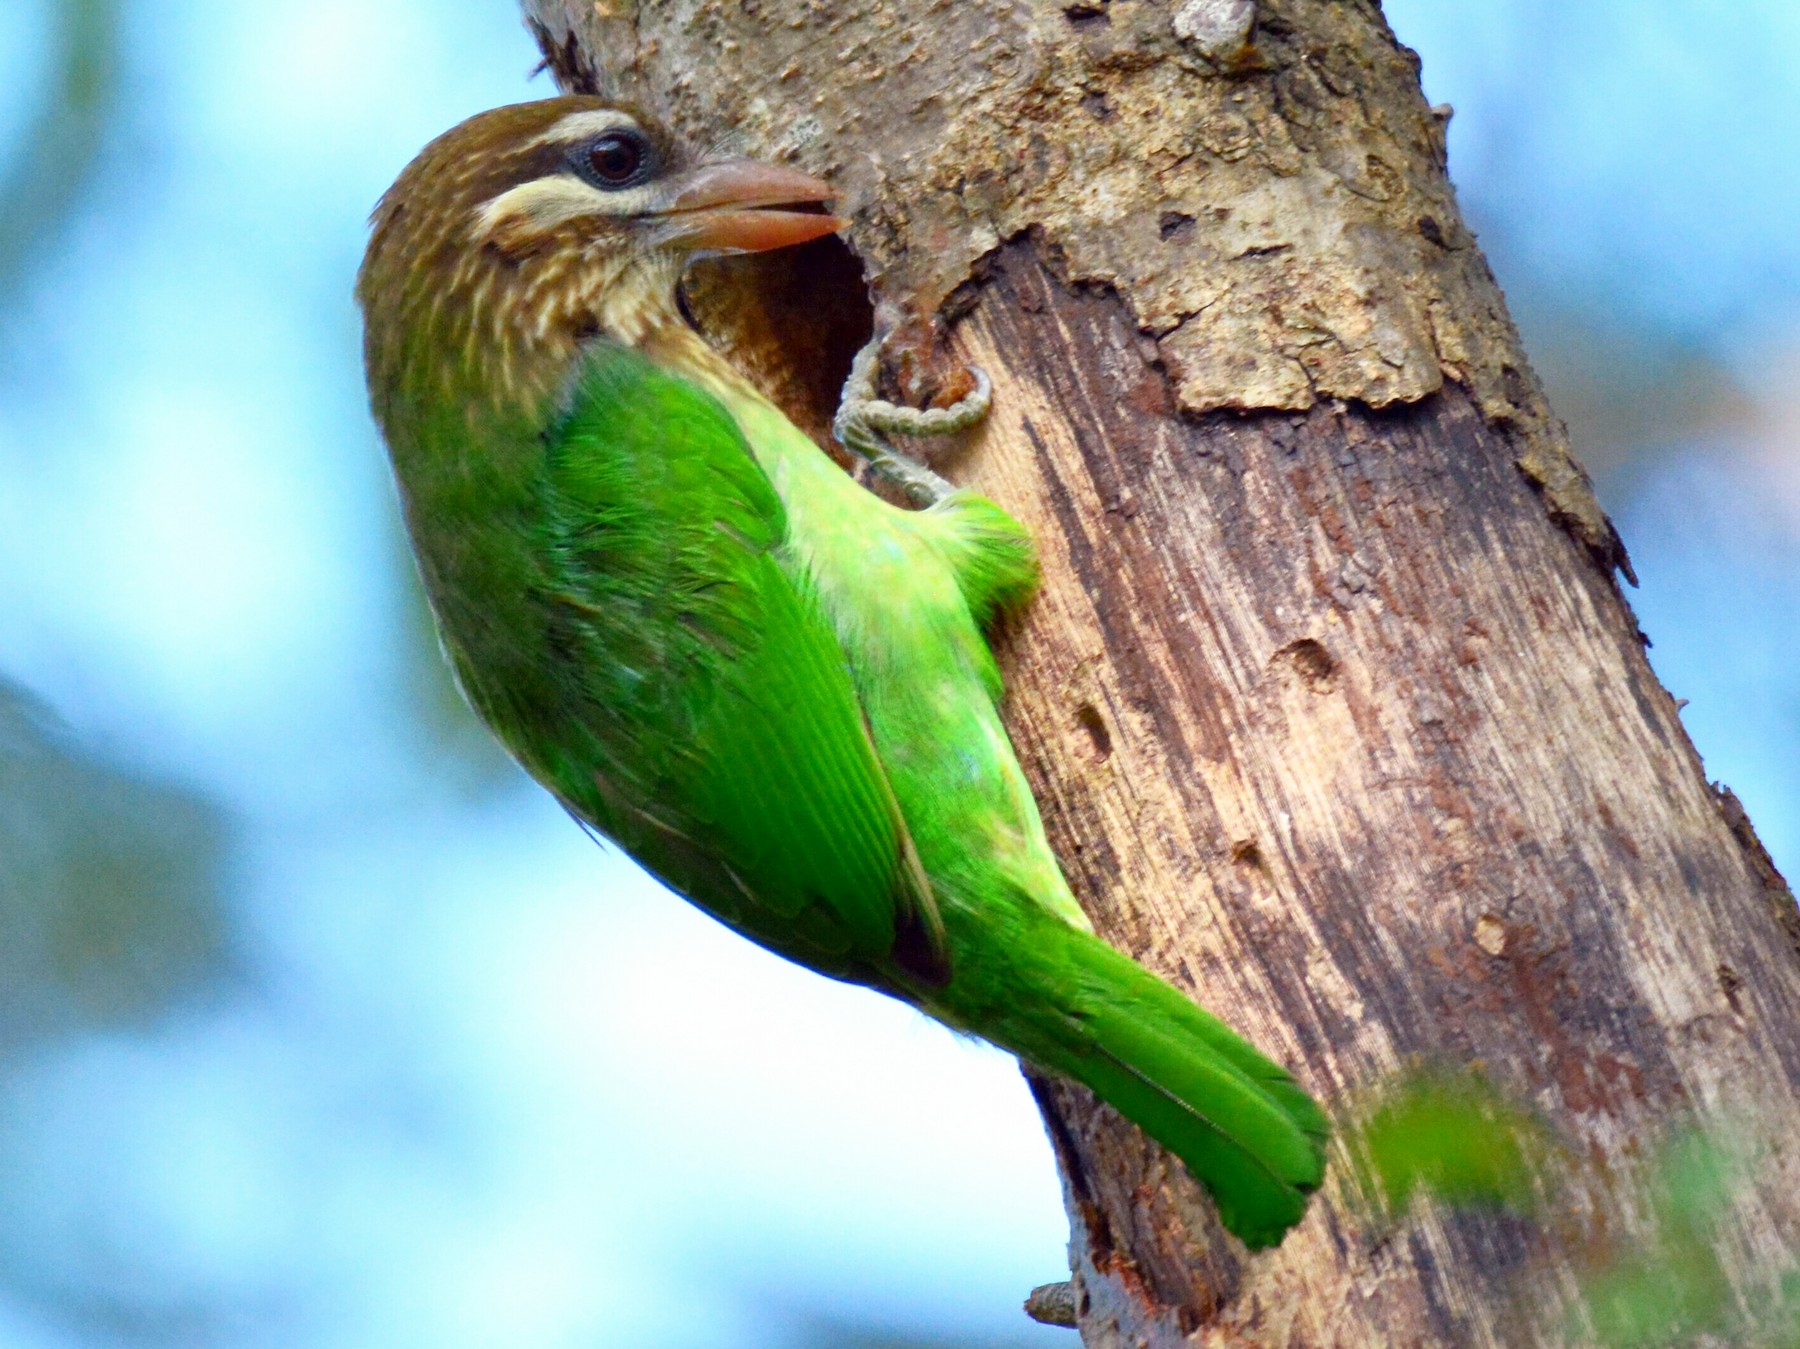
(383, 1051)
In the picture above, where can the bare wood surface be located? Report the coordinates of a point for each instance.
(1335, 711)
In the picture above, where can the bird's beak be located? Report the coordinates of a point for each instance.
(735, 206)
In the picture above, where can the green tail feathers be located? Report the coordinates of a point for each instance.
(1242, 1126)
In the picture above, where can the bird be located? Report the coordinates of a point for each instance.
(717, 649)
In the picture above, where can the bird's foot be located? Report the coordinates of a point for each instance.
(864, 422)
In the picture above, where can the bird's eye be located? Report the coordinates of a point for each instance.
(616, 160)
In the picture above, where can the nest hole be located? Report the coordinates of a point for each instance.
(791, 320)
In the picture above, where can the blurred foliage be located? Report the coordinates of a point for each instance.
(1452, 1135)
(60, 148)
(112, 902)
(1674, 1289)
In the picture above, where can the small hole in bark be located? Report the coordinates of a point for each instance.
(1095, 725)
(1174, 225)
(1084, 12)
(1096, 104)
(1246, 853)
(1312, 662)
(1516, 390)
(1730, 981)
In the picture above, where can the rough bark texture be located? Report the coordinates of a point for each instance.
(1335, 712)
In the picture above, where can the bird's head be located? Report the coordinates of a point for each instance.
(528, 229)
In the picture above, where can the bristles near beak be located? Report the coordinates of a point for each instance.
(734, 207)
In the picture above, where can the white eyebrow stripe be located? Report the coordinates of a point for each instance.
(577, 126)
(545, 202)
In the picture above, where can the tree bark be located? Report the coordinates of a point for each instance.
(1336, 714)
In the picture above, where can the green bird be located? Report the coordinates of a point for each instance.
(769, 686)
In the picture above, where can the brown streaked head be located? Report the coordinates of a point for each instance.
(527, 229)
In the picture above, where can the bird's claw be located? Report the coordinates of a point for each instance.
(864, 422)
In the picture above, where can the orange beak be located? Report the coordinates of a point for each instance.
(736, 207)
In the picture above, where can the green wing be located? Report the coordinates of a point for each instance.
(712, 729)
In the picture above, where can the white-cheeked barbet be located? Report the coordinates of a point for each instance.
(768, 685)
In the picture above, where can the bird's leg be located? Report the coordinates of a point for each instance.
(864, 422)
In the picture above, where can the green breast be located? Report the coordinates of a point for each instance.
(614, 595)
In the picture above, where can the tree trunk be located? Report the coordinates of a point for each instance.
(1336, 714)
